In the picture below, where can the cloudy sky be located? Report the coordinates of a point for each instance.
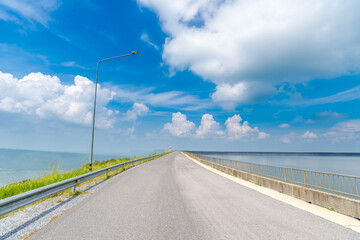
(241, 75)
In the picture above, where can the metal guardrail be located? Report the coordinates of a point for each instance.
(15, 202)
(334, 183)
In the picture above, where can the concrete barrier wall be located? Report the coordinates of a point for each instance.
(340, 204)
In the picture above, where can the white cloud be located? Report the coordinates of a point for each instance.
(329, 114)
(290, 137)
(345, 96)
(263, 135)
(172, 99)
(7, 16)
(285, 140)
(179, 126)
(228, 96)
(235, 130)
(309, 135)
(259, 44)
(38, 11)
(138, 110)
(298, 119)
(345, 131)
(12, 57)
(46, 97)
(284, 125)
(72, 64)
(309, 121)
(146, 39)
(348, 126)
(208, 126)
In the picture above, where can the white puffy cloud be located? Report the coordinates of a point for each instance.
(235, 130)
(248, 47)
(46, 97)
(27, 93)
(138, 110)
(345, 131)
(309, 135)
(179, 126)
(228, 96)
(284, 125)
(208, 126)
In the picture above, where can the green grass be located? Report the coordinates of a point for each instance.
(55, 175)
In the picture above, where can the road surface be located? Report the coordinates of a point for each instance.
(174, 198)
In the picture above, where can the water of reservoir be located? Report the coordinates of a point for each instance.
(346, 165)
(18, 165)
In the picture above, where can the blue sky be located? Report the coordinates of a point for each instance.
(210, 75)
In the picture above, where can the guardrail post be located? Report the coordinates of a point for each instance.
(249, 167)
(74, 187)
(285, 174)
(304, 178)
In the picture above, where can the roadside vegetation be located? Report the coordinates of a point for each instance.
(56, 174)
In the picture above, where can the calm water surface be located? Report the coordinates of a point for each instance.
(18, 165)
(347, 165)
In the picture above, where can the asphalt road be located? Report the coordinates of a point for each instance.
(174, 198)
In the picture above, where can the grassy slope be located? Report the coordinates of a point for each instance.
(55, 175)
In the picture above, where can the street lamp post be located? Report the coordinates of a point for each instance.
(93, 120)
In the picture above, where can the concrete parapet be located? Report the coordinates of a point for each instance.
(340, 204)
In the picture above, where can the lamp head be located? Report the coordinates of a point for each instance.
(134, 52)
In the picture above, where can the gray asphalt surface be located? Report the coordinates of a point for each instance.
(174, 198)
